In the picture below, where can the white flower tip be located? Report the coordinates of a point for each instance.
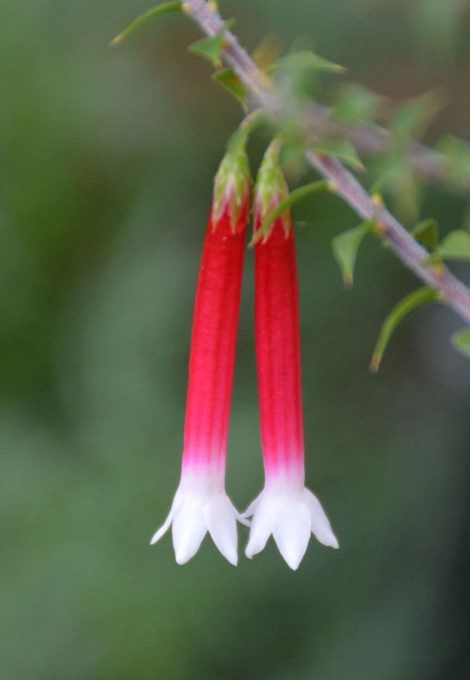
(291, 517)
(183, 553)
(231, 556)
(334, 543)
(192, 515)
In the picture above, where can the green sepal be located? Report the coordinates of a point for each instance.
(427, 233)
(342, 149)
(461, 342)
(271, 186)
(229, 80)
(166, 8)
(345, 248)
(233, 180)
(396, 316)
(285, 206)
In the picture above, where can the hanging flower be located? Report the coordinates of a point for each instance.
(201, 504)
(285, 508)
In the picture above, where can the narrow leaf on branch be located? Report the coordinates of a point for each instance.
(227, 78)
(211, 48)
(414, 116)
(342, 149)
(294, 197)
(307, 60)
(166, 8)
(397, 315)
(461, 341)
(455, 246)
(345, 248)
(427, 233)
(356, 104)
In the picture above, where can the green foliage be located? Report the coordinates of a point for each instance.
(455, 246)
(461, 341)
(342, 149)
(397, 315)
(144, 19)
(355, 103)
(345, 248)
(427, 233)
(229, 80)
(412, 118)
(458, 154)
(297, 73)
(210, 48)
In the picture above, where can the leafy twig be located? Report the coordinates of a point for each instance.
(410, 252)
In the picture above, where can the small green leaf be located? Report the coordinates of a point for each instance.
(294, 197)
(342, 149)
(345, 248)
(210, 48)
(413, 117)
(166, 8)
(461, 341)
(458, 154)
(297, 74)
(307, 60)
(427, 233)
(356, 104)
(396, 316)
(229, 80)
(455, 246)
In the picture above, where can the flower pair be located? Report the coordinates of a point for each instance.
(285, 508)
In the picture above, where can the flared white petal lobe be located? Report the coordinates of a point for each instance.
(321, 526)
(292, 533)
(290, 516)
(189, 527)
(264, 519)
(220, 516)
(192, 515)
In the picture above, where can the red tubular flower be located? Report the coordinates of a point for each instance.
(201, 504)
(285, 508)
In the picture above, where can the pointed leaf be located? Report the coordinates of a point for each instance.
(458, 154)
(342, 149)
(229, 80)
(427, 233)
(297, 74)
(455, 246)
(396, 316)
(461, 341)
(166, 8)
(345, 248)
(356, 104)
(414, 116)
(307, 60)
(210, 48)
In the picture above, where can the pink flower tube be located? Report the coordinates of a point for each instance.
(201, 504)
(285, 508)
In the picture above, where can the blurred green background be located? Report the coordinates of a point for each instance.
(107, 159)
